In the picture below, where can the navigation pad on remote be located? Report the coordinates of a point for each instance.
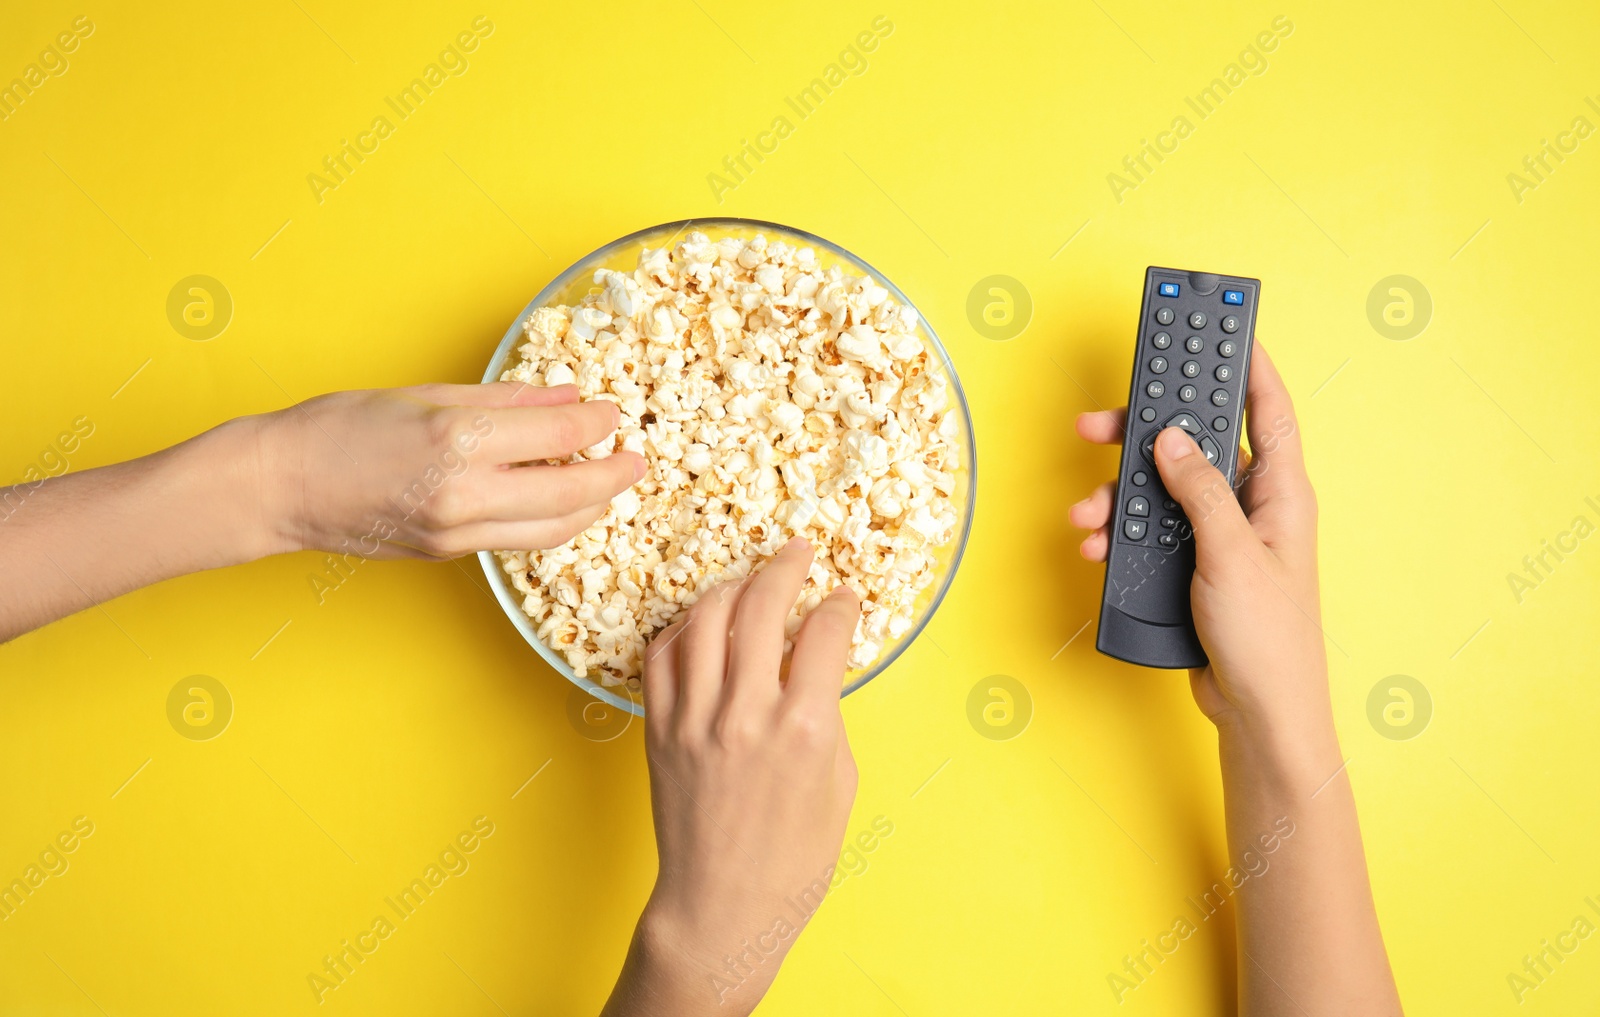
(1190, 424)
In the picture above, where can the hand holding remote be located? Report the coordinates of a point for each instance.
(1308, 933)
(1255, 557)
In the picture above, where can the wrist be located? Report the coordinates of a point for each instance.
(666, 976)
(1282, 695)
(241, 468)
(1298, 749)
(710, 960)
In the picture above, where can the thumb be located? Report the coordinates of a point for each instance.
(1220, 527)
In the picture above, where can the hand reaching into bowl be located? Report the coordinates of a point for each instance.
(751, 783)
(433, 471)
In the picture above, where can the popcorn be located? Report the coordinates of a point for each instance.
(770, 398)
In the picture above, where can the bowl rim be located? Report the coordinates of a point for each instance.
(496, 576)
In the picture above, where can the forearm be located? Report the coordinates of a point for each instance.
(84, 538)
(1309, 941)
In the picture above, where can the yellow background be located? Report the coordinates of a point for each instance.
(377, 725)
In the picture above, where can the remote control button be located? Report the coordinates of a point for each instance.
(1224, 372)
(1168, 522)
(1169, 289)
(1230, 324)
(1167, 539)
(1155, 390)
(1220, 424)
(1191, 369)
(1169, 504)
(1212, 453)
(1139, 478)
(1227, 347)
(1235, 297)
(1138, 506)
(1219, 397)
(1184, 421)
(1147, 414)
(1187, 421)
(1194, 344)
(1186, 393)
(1133, 529)
(1164, 316)
(1161, 340)
(1196, 320)
(1158, 365)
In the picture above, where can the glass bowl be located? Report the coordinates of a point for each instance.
(622, 254)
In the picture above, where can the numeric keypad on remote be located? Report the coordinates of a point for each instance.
(1216, 361)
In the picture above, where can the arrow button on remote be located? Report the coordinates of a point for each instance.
(1186, 420)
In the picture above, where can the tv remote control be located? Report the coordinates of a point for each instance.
(1191, 360)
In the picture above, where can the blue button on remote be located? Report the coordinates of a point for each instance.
(1233, 296)
(1171, 290)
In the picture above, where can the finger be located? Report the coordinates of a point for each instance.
(1220, 527)
(661, 678)
(755, 655)
(549, 492)
(1270, 421)
(703, 650)
(1105, 427)
(822, 647)
(1092, 512)
(527, 535)
(1242, 488)
(1096, 545)
(523, 434)
(499, 393)
(1279, 498)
